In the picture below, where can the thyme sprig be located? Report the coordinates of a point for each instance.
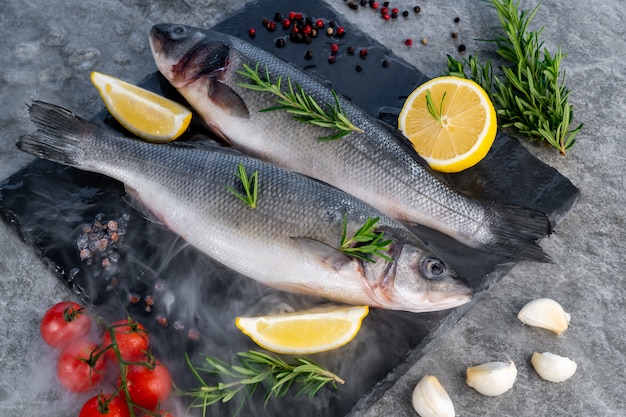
(250, 186)
(301, 105)
(430, 106)
(365, 241)
(532, 98)
(256, 368)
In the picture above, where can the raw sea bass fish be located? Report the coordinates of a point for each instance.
(288, 241)
(377, 165)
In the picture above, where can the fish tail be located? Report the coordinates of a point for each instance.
(61, 136)
(516, 230)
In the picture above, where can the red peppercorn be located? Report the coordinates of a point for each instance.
(292, 15)
(319, 23)
(286, 23)
(408, 42)
(384, 10)
(299, 16)
(271, 26)
(363, 52)
(307, 30)
(252, 32)
(334, 48)
(375, 5)
(386, 16)
(331, 59)
(395, 10)
(341, 31)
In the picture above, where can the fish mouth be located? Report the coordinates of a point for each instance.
(450, 299)
(156, 39)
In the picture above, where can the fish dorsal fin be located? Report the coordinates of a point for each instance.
(329, 255)
(228, 99)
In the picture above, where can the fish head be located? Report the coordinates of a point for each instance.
(416, 280)
(183, 53)
(195, 62)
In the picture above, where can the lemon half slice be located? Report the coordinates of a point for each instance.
(146, 114)
(464, 129)
(306, 332)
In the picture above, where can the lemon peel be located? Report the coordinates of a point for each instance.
(148, 115)
(304, 332)
(464, 129)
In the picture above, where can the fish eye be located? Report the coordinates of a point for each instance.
(433, 269)
(177, 32)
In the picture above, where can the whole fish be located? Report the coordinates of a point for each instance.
(289, 240)
(376, 165)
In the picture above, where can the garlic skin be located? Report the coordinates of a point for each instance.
(553, 368)
(492, 378)
(430, 399)
(545, 313)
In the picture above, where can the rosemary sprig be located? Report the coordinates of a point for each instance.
(365, 241)
(532, 97)
(437, 115)
(257, 368)
(250, 186)
(301, 105)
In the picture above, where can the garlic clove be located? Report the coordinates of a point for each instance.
(492, 378)
(545, 313)
(430, 399)
(553, 368)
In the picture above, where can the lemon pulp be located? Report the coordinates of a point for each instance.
(146, 114)
(464, 130)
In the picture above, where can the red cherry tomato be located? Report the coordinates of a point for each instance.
(102, 405)
(131, 338)
(79, 368)
(63, 323)
(148, 387)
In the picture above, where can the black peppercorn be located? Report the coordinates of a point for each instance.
(350, 50)
(417, 9)
(405, 13)
(358, 68)
(455, 35)
(280, 42)
(462, 48)
(457, 19)
(385, 63)
(308, 55)
(278, 17)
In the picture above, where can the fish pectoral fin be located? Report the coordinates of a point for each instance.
(329, 255)
(134, 201)
(228, 99)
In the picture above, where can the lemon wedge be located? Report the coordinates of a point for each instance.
(146, 114)
(459, 128)
(305, 332)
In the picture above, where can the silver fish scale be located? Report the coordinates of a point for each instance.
(289, 241)
(193, 182)
(371, 165)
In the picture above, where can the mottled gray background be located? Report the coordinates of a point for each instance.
(48, 49)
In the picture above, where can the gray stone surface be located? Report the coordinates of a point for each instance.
(49, 48)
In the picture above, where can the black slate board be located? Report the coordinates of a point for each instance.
(159, 278)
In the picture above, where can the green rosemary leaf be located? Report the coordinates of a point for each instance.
(530, 95)
(250, 186)
(256, 368)
(365, 241)
(297, 102)
(336, 136)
